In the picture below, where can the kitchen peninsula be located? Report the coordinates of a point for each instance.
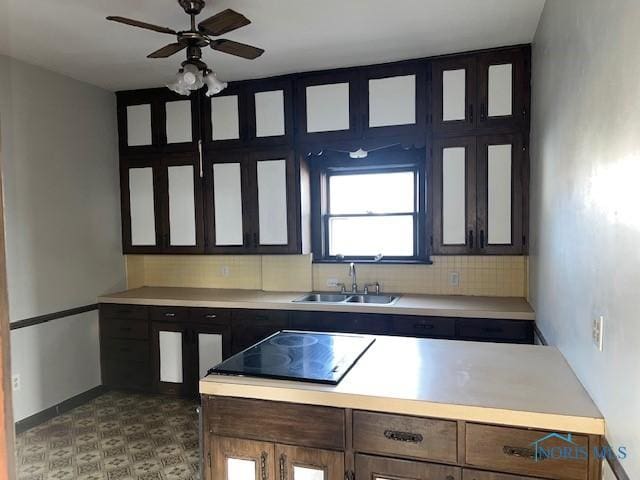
(409, 408)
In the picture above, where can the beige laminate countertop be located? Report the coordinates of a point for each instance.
(519, 385)
(514, 308)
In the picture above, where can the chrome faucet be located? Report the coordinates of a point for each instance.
(352, 274)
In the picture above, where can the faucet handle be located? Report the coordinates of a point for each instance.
(376, 284)
(343, 287)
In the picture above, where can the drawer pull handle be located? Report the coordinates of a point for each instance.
(170, 315)
(520, 452)
(210, 315)
(403, 436)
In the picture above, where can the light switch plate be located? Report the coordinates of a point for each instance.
(15, 382)
(454, 279)
(597, 331)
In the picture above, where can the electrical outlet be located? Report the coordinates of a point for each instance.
(15, 382)
(225, 271)
(597, 331)
(454, 279)
(332, 282)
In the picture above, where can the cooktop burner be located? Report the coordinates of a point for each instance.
(302, 356)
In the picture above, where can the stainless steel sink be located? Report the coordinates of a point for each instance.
(323, 298)
(346, 298)
(377, 299)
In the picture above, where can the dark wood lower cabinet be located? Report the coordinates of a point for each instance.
(168, 349)
(247, 439)
(379, 468)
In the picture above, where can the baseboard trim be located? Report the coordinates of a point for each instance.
(538, 334)
(59, 409)
(614, 463)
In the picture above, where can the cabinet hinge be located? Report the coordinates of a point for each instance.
(524, 240)
(209, 458)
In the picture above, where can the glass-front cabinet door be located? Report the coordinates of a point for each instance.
(501, 89)
(454, 94)
(381, 468)
(454, 182)
(500, 194)
(168, 348)
(299, 463)
(239, 459)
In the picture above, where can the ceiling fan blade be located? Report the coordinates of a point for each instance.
(137, 23)
(223, 22)
(167, 50)
(237, 49)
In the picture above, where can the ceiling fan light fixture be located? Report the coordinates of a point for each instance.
(214, 85)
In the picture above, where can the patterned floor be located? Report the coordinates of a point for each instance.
(117, 436)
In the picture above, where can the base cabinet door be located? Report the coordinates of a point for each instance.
(383, 468)
(170, 369)
(239, 459)
(300, 463)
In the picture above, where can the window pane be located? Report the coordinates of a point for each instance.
(372, 193)
(370, 236)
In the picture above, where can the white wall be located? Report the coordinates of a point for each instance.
(585, 200)
(62, 209)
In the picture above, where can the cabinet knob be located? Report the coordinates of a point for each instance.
(169, 314)
(210, 315)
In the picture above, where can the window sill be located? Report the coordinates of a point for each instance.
(413, 261)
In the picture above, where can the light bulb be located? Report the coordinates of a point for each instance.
(190, 75)
(178, 85)
(214, 85)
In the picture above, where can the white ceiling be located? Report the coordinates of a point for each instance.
(72, 37)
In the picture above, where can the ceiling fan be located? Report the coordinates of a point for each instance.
(194, 73)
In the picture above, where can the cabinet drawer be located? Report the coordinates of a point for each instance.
(468, 474)
(424, 326)
(404, 436)
(512, 450)
(368, 468)
(211, 316)
(340, 322)
(123, 328)
(169, 314)
(133, 312)
(495, 330)
(125, 350)
(287, 423)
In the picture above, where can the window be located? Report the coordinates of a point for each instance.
(369, 209)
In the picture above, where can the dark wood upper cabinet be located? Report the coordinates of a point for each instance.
(327, 106)
(157, 120)
(229, 174)
(454, 195)
(224, 118)
(478, 195)
(393, 100)
(270, 112)
(483, 94)
(453, 83)
(161, 199)
(501, 89)
(253, 201)
(499, 194)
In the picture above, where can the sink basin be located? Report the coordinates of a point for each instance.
(377, 299)
(346, 298)
(323, 298)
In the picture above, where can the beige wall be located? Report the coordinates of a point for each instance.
(585, 218)
(62, 211)
(494, 276)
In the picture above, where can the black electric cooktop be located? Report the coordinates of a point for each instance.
(301, 356)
